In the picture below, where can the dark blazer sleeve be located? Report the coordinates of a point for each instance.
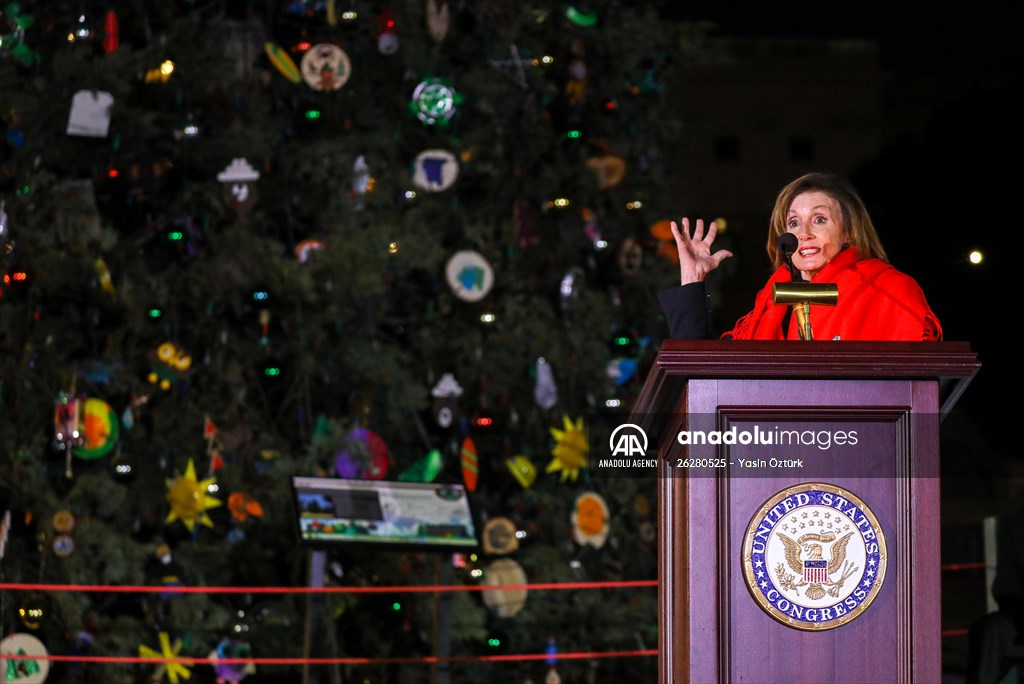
(686, 310)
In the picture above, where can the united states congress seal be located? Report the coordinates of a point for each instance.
(814, 556)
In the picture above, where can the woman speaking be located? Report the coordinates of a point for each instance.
(833, 243)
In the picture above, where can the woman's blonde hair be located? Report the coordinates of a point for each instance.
(860, 231)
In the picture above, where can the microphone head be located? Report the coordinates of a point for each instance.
(787, 244)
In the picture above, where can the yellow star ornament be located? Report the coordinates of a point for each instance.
(189, 500)
(173, 670)
(570, 450)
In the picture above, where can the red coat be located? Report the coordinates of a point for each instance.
(876, 302)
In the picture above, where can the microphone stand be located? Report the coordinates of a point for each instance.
(801, 294)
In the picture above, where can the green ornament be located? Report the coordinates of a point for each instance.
(434, 101)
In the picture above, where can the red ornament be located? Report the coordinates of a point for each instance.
(110, 33)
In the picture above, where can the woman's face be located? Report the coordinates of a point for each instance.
(816, 220)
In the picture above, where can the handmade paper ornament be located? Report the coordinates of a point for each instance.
(522, 469)
(231, 649)
(101, 429)
(499, 536)
(111, 32)
(32, 665)
(326, 67)
(362, 181)
(307, 251)
(189, 499)
(387, 35)
(590, 519)
(608, 170)
(434, 101)
(581, 15)
(544, 391)
(90, 113)
(243, 506)
(32, 612)
(239, 181)
(425, 469)
(469, 275)
(13, 25)
(283, 62)
(67, 430)
(505, 602)
(170, 363)
(167, 651)
(470, 464)
(570, 450)
(438, 19)
(446, 395)
(364, 456)
(576, 86)
(435, 170)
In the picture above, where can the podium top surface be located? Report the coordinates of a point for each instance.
(952, 364)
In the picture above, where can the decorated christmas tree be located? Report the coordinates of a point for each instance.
(408, 242)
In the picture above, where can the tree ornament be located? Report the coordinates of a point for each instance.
(233, 649)
(12, 34)
(387, 36)
(590, 519)
(499, 536)
(90, 113)
(662, 232)
(32, 612)
(239, 181)
(608, 170)
(522, 469)
(31, 670)
(243, 505)
(630, 256)
(438, 19)
(326, 67)
(446, 395)
(364, 457)
(170, 363)
(544, 391)
(424, 469)
(111, 32)
(283, 62)
(68, 430)
(435, 170)
(469, 275)
(101, 432)
(362, 181)
(307, 251)
(189, 499)
(570, 450)
(434, 101)
(581, 15)
(173, 670)
(504, 602)
(576, 86)
(470, 463)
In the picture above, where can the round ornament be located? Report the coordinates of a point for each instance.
(63, 521)
(590, 520)
(469, 275)
(434, 101)
(63, 545)
(101, 430)
(23, 671)
(504, 602)
(365, 456)
(499, 536)
(239, 184)
(326, 67)
(435, 170)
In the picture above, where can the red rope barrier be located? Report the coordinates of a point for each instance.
(174, 589)
(185, 660)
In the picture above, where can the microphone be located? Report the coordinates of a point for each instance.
(787, 245)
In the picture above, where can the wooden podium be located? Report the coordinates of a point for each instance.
(854, 446)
